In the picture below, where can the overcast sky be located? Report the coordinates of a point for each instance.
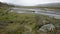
(29, 2)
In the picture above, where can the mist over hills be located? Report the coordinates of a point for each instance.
(49, 5)
(6, 5)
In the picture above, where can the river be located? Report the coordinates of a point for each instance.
(50, 13)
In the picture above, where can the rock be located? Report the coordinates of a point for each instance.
(47, 27)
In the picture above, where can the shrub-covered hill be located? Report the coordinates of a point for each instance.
(14, 23)
(5, 5)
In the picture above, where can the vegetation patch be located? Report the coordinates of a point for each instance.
(15, 23)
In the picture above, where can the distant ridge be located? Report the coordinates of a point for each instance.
(5, 4)
(49, 5)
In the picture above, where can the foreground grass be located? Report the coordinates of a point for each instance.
(14, 23)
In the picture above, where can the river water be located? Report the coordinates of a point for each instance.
(50, 13)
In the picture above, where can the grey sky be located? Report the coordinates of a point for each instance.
(29, 2)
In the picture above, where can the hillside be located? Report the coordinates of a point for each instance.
(5, 5)
(52, 5)
(15, 23)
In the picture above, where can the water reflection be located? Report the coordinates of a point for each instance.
(54, 13)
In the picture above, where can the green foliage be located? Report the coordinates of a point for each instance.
(22, 23)
(14, 23)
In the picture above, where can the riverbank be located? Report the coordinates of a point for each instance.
(24, 23)
(19, 23)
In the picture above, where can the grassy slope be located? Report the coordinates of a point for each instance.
(14, 23)
(37, 7)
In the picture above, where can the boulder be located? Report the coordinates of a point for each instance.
(47, 28)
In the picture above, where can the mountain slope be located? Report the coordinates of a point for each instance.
(50, 5)
(5, 5)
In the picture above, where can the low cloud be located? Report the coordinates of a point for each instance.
(29, 2)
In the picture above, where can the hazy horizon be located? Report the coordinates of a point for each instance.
(29, 2)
